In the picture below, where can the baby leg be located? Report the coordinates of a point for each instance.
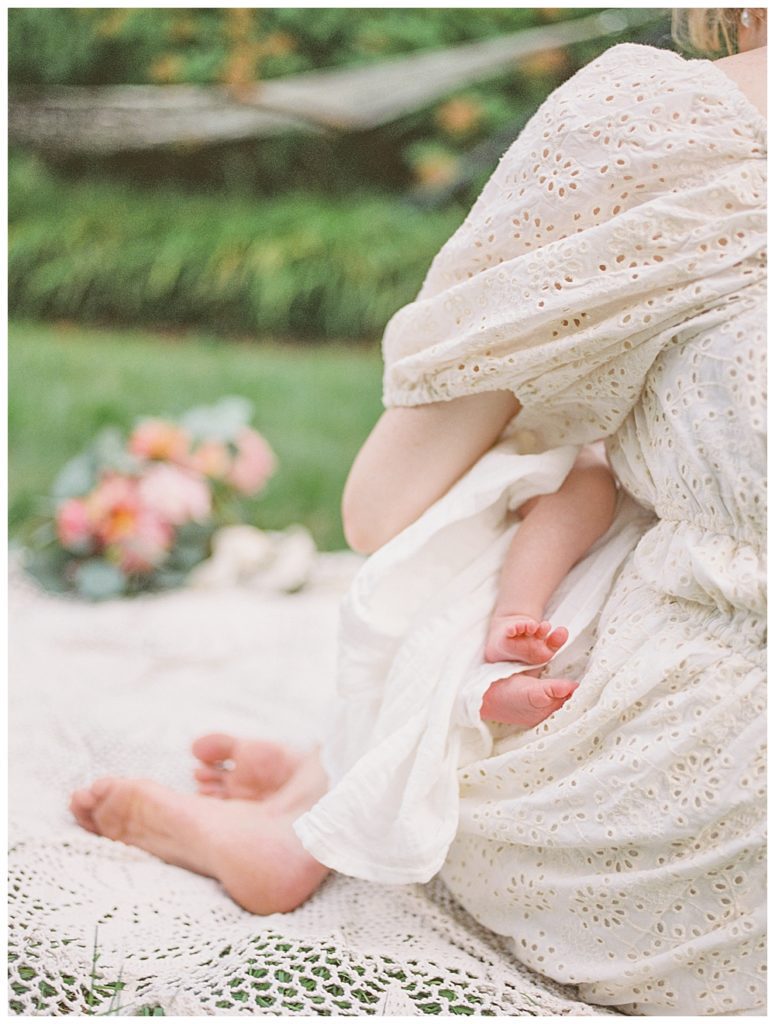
(556, 531)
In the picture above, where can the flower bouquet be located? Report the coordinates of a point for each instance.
(138, 513)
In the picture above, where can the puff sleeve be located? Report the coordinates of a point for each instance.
(627, 217)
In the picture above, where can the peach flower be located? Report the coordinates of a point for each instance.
(211, 458)
(146, 547)
(114, 507)
(254, 462)
(175, 494)
(159, 439)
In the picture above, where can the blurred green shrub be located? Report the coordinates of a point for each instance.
(235, 46)
(298, 235)
(103, 46)
(298, 265)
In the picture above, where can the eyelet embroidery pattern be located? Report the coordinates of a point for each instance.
(612, 275)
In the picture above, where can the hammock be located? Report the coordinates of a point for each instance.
(112, 119)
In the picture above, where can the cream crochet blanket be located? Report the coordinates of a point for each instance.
(122, 688)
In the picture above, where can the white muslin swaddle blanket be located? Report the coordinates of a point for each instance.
(411, 669)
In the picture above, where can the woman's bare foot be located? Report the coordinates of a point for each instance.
(523, 638)
(249, 847)
(524, 700)
(233, 768)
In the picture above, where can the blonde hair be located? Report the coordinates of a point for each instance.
(709, 31)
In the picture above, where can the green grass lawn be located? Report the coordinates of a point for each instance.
(314, 404)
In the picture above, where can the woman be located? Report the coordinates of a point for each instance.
(609, 282)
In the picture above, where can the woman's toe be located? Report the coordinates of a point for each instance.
(83, 799)
(203, 789)
(82, 803)
(209, 776)
(214, 747)
(100, 788)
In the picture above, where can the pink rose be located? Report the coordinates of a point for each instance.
(211, 458)
(74, 525)
(159, 439)
(254, 462)
(145, 548)
(176, 495)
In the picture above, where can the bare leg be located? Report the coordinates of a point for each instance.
(556, 532)
(248, 846)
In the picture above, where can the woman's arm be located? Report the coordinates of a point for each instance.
(412, 457)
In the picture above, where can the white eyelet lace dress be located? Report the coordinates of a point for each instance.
(612, 275)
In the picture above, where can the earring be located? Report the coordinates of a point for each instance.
(745, 18)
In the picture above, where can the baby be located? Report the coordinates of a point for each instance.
(556, 531)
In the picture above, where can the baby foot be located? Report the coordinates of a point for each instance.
(523, 638)
(524, 700)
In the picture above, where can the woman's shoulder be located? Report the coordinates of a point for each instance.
(631, 144)
(639, 105)
(611, 75)
(638, 82)
(630, 57)
(638, 61)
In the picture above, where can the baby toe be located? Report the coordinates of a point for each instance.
(557, 638)
(560, 689)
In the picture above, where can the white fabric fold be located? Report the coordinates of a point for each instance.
(411, 668)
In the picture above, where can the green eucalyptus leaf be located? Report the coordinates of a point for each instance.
(97, 580)
(168, 578)
(195, 533)
(82, 548)
(110, 452)
(76, 478)
(43, 534)
(220, 422)
(47, 567)
(185, 556)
